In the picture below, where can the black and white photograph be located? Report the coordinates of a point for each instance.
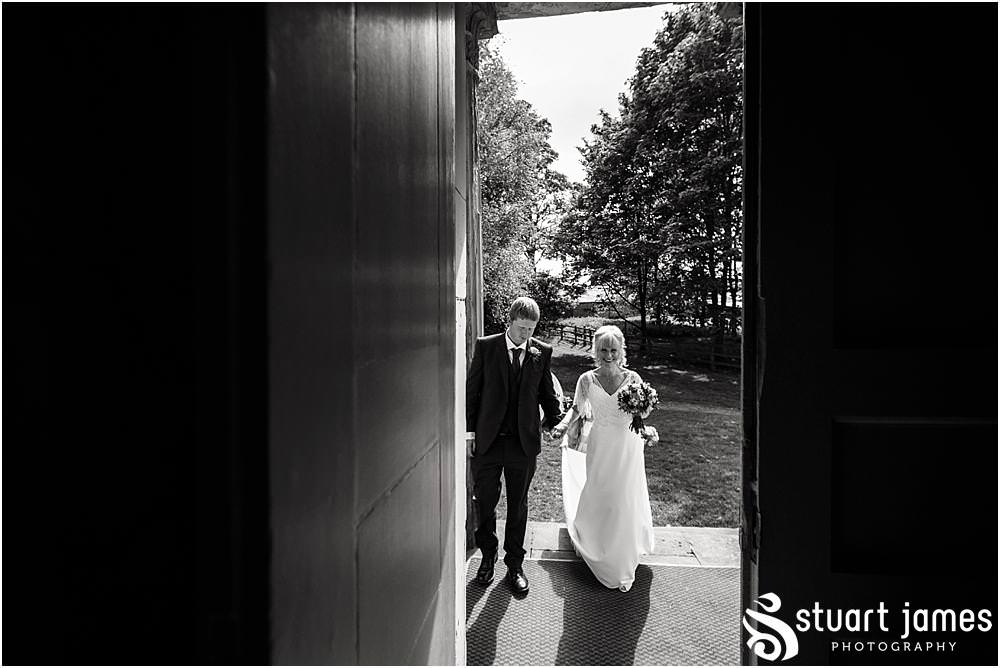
(501, 334)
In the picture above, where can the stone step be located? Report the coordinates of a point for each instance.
(675, 546)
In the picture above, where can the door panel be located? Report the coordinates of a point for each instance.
(875, 304)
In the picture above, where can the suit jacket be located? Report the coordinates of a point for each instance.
(486, 393)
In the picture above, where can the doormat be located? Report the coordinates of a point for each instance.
(672, 615)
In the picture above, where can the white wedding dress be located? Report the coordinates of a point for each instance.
(605, 496)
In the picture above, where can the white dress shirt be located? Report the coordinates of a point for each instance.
(511, 346)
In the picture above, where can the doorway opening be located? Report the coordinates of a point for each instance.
(641, 228)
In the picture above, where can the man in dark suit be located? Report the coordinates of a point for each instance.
(508, 380)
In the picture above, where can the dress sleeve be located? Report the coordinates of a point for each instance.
(580, 401)
(557, 386)
(551, 404)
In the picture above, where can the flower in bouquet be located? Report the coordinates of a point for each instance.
(638, 399)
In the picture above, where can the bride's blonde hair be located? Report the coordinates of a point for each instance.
(606, 332)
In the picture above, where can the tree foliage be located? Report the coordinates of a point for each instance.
(659, 220)
(522, 197)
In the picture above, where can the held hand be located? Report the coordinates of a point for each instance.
(558, 431)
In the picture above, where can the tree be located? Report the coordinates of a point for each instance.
(556, 296)
(522, 197)
(659, 221)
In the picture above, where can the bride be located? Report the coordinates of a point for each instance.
(605, 496)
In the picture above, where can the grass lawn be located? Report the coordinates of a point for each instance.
(694, 471)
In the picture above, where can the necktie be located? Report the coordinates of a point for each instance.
(517, 362)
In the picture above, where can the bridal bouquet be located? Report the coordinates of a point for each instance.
(638, 399)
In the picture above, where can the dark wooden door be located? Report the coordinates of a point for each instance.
(872, 229)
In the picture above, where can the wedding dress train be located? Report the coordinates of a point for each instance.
(605, 496)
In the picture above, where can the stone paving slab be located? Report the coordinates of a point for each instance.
(718, 548)
(674, 546)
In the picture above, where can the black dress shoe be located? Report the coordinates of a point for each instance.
(517, 581)
(484, 575)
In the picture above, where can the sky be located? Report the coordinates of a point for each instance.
(569, 67)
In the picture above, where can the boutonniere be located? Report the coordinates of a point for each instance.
(534, 352)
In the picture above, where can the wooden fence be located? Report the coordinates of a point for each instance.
(698, 352)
